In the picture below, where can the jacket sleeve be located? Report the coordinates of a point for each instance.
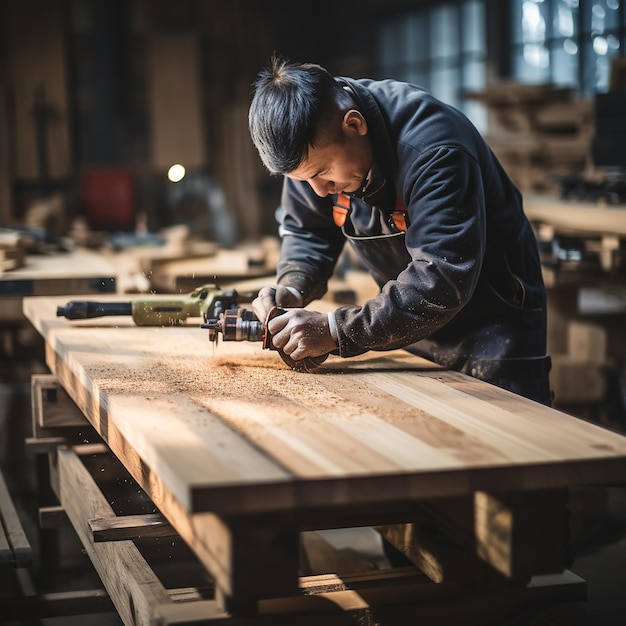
(444, 196)
(311, 242)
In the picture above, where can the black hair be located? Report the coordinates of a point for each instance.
(291, 104)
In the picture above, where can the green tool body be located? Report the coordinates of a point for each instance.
(207, 302)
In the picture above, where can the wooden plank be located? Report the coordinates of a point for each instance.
(237, 552)
(55, 418)
(121, 528)
(44, 274)
(58, 604)
(329, 436)
(52, 517)
(43, 445)
(76, 272)
(75, 603)
(576, 218)
(51, 405)
(6, 553)
(14, 545)
(183, 275)
(130, 582)
(397, 598)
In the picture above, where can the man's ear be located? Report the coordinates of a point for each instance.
(354, 121)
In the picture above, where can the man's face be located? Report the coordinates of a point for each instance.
(340, 166)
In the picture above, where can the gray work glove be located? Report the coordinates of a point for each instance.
(300, 334)
(279, 295)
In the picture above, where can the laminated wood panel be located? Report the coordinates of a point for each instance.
(231, 429)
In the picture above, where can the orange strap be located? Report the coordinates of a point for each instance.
(341, 209)
(399, 215)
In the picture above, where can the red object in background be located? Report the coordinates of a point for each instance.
(108, 198)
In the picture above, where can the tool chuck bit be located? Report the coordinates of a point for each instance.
(236, 325)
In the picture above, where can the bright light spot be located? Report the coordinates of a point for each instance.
(536, 56)
(565, 21)
(598, 11)
(570, 47)
(176, 173)
(533, 24)
(600, 45)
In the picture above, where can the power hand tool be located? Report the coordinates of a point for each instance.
(218, 307)
(239, 324)
(207, 302)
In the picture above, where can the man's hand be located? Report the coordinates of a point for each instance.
(269, 297)
(300, 333)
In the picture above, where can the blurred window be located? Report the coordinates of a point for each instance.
(441, 48)
(569, 43)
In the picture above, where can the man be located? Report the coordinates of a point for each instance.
(410, 183)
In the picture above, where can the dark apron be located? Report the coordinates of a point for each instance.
(385, 256)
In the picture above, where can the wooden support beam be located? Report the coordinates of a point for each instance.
(518, 534)
(14, 545)
(61, 604)
(43, 445)
(248, 549)
(398, 597)
(32, 605)
(121, 528)
(51, 517)
(56, 420)
(134, 588)
(52, 407)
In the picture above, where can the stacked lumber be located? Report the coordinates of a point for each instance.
(181, 273)
(577, 375)
(12, 251)
(540, 133)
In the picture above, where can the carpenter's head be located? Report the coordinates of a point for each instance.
(305, 125)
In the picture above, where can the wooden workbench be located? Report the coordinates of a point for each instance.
(76, 272)
(572, 217)
(241, 454)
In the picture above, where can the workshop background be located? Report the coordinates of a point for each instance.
(123, 133)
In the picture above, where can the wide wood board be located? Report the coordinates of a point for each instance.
(584, 219)
(230, 429)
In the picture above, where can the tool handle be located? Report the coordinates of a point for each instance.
(83, 309)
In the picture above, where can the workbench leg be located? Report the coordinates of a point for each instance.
(261, 560)
(48, 538)
(508, 536)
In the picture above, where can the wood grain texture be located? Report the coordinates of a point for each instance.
(231, 430)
